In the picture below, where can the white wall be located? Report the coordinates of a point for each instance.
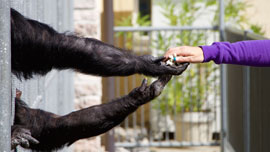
(259, 13)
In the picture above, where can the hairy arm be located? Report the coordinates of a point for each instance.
(54, 132)
(37, 48)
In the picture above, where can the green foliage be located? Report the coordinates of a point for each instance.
(124, 21)
(257, 29)
(235, 16)
(184, 12)
(143, 20)
(190, 91)
(234, 13)
(127, 21)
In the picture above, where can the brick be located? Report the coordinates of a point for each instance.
(85, 4)
(86, 29)
(88, 89)
(86, 15)
(88, 145)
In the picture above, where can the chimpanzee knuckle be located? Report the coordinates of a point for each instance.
(183, 67)
(180, 72)
(142, 88)
(157, 88)
(25, 143)
(157, 91)
(176, 72)
(157, 60)
(31, 139)
(135, 92)
(14, 142)
(27, 136)
(25, 131)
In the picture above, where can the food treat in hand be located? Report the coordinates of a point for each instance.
(171, 60)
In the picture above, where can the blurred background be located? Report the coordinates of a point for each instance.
(187, 116)
(210, 108)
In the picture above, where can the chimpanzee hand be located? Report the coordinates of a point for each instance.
(21, 136)
(144, 93)
(153, 66)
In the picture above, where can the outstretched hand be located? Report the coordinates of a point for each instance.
(145, 93)
(186, 54)
(154, 66)
(21, 136)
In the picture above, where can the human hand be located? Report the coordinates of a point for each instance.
(153, 66)
(186, 54)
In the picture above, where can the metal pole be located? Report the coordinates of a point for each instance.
(108, 37)
(164, 28)
(246, 104)
(224, 128)
(5, 76)
(222, 20)
(223, 74)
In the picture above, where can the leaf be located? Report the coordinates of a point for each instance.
(257, 29)
(210, 3)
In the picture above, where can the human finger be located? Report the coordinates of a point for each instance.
(181, 59)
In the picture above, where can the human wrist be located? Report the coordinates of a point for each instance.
(200, 53)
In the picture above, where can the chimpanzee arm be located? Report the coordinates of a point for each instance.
(37, 48)
(54, 132)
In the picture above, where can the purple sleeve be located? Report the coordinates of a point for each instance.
(251, 53)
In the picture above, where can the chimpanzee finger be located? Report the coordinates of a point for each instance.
(159, 84)
(143, 85)
(158, 59)
(14, 143)
(24, 143)
(178, 69)
(30, 139)
(184, 66)
(18, 93)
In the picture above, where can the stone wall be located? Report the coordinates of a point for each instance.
(88, 89)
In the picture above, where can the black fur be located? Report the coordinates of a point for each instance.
(54, 132)
(37, 48)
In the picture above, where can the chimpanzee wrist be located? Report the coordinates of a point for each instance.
(139, 65)
(136, 97)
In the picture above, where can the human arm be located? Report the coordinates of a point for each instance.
(250, 53)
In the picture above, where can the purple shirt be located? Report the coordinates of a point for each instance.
(251, 53)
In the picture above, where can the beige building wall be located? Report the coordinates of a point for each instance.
(122, 5)
(259, 13)
(88, 89)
